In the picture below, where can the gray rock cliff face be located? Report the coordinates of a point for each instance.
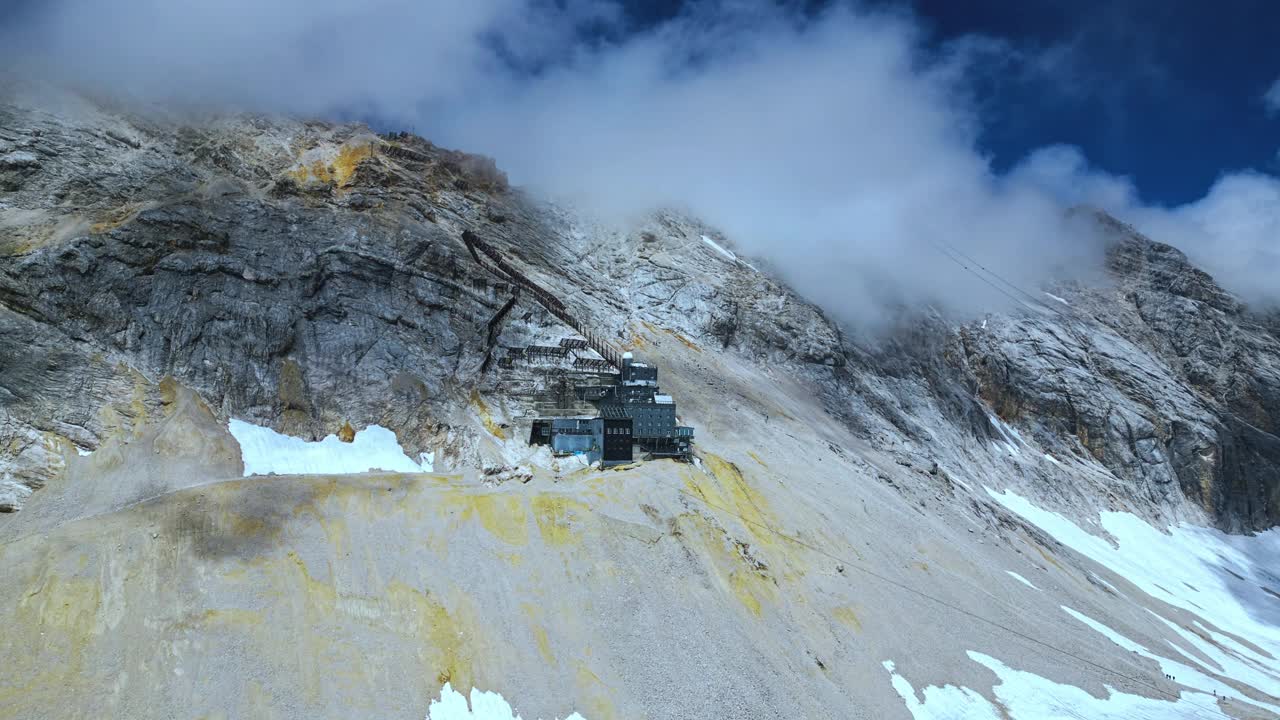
(305, 276)
(1162, 377)
(196, 253)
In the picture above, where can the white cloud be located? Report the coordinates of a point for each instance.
(1271, 99)
(1233, 232)
(1064, 172)
(390, 58)
(834, 145)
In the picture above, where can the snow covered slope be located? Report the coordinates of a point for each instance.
(265, 451)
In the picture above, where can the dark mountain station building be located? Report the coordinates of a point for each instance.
(634, 414)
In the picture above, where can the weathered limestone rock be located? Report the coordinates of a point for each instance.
(305, 276)
(1164, 378)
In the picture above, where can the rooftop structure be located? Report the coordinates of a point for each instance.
(633, 415)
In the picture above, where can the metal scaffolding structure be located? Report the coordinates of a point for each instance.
(496, 264)
(538, 352)
(591, 364)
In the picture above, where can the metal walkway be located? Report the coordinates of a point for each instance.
(496, 264)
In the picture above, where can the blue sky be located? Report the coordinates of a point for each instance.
(1167, 92)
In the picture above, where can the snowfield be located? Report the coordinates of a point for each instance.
(720, 248)
(1185, 674)
(452, 705)
(1027, 696)
(1226, 580)
(266, 451)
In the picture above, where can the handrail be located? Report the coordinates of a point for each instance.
(495, 323)
(553, 305)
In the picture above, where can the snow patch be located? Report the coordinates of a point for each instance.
(1227, 657)
(571, 463)
(1227, 641)
(948, 702)
(452, 705)
(1109, 585)
(1217, 577)
(1021, 579)
(728, 253)
(1055, 297)
(266, 451)
(1185, 674)
(1201, 570)
(1012, 438)
(1005, 448)
(1052, 459)
(719, 248)
(1027, 696)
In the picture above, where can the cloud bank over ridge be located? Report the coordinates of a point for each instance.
(836, 144)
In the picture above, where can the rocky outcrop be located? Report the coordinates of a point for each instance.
(304, 276)
(290, 273)
(1162, 377)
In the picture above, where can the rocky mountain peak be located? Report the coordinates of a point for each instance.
(1132, 257)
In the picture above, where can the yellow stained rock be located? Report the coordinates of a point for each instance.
(333, 167)
(448, 648)
(747, 581)
(594, 694)
(346, 433)
(848, 616)
(726, 490)
(486, 417)
(503, 516)
(556, 515)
